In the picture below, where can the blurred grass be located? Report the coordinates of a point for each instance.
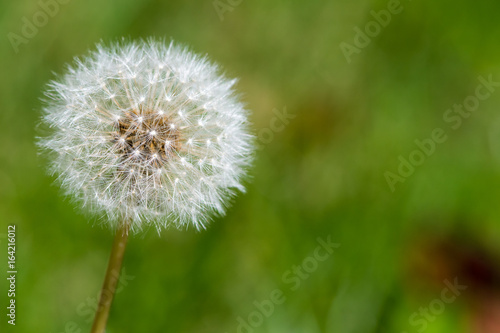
(323, 175)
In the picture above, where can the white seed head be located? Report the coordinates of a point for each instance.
(126, 139)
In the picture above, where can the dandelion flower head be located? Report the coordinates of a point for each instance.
(147, 133)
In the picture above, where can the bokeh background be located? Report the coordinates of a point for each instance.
(323, 175)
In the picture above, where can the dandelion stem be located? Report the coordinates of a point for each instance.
(111, 279)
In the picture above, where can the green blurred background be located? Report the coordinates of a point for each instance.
(323, 175)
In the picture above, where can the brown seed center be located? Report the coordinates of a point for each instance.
(146, 136)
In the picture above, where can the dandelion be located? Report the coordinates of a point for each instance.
(146, 134)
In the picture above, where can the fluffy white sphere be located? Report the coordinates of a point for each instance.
(147, 133)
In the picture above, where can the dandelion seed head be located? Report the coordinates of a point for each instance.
(124, 121)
